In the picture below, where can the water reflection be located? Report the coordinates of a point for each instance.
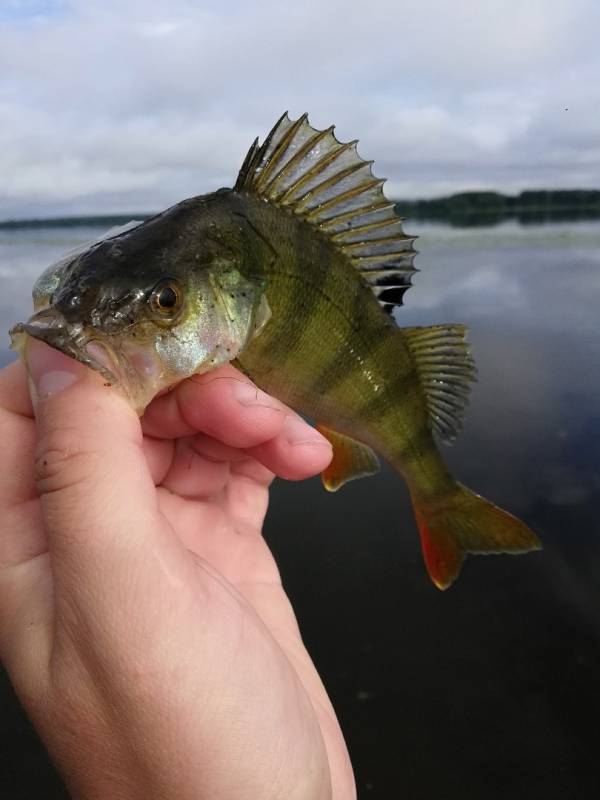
(24, 254)
(485, 218)
(489, 690)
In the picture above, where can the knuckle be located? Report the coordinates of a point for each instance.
(62, 461)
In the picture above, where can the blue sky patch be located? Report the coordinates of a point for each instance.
(23, 10)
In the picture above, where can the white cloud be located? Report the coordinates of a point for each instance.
(133, 105)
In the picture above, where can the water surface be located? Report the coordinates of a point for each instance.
(492, 689)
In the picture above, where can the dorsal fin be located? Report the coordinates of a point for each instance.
(446, 369)
(329, 185)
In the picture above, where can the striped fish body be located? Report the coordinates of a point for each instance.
(331, 352)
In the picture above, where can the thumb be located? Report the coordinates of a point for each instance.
(97, 496)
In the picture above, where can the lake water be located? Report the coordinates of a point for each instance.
(492, 689)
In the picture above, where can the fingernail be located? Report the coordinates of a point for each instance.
(296, 431)
(50, 370)
(248, 395)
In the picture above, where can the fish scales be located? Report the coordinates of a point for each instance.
(292, 274)
(325, 322)
(327, 328)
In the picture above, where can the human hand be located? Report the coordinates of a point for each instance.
(142, 618)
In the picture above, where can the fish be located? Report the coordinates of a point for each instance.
(293, 275)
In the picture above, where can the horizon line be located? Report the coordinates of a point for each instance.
(122, 217)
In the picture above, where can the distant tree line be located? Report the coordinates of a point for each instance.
(487, 207)
(465, 208)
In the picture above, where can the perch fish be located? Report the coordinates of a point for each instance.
(293, 275)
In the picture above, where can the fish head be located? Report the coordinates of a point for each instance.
(147, 309)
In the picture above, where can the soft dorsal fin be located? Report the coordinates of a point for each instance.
(351, 460)
(329, 185)
(446, 369)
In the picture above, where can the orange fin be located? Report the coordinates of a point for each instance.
(351, 460)
(462, 522)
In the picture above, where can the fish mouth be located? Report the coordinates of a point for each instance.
(72, 339)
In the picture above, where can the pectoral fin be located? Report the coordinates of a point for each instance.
(351, 460)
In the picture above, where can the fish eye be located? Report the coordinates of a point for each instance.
(166, 298)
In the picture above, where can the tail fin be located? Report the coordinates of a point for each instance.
(462, 522)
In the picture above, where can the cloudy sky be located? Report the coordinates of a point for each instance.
(131, 105)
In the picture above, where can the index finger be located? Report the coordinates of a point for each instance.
(223, 403)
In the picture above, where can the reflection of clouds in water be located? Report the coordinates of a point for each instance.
(529, 276)
(480, 289)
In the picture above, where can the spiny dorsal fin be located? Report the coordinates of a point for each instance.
(351, 460)
(329, 185)
(446, 369)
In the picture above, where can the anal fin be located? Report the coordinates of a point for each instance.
(351, 460)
